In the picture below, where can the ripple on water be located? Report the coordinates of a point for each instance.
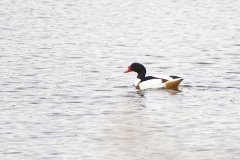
(64, 95)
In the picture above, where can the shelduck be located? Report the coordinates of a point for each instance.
(142, 82)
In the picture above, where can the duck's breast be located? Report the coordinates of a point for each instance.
(136, 82)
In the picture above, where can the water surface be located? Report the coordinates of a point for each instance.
(64, 94)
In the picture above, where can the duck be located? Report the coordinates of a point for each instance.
(143, 82)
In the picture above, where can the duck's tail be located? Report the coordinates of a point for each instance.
(173, 83)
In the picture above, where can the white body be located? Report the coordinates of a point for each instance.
(155, 83)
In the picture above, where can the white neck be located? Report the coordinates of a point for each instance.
(137, 80)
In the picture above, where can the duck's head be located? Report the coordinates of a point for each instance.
(137, 67)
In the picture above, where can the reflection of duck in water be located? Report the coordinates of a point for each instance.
(142, 82)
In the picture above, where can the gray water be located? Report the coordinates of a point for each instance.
(64, 94)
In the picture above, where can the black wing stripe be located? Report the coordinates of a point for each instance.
(148, 78)
(174, 77)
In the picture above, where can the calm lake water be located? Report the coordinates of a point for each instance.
(64, 94)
